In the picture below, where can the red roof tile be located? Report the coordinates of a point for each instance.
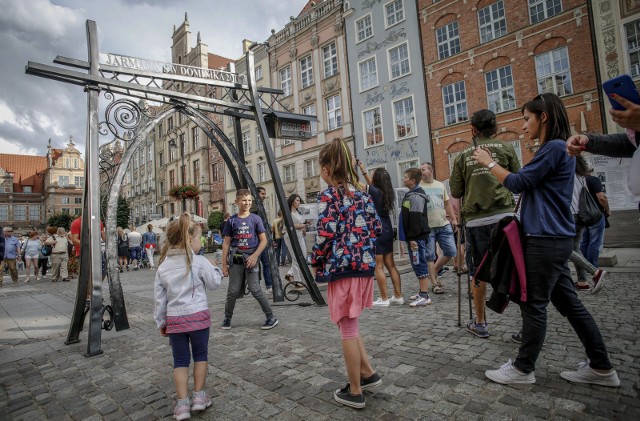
(217, 62)
(28, 171)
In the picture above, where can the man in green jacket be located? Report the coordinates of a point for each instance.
(485, 201)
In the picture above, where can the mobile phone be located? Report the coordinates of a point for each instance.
(622, 85)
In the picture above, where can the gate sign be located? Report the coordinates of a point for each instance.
(289, 126)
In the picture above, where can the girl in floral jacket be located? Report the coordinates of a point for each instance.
(344, 254)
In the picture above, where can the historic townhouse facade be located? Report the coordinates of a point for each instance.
(249, 137)
(498, 54)
(308, 61)
(176, 151)
(33, 188)
(388, 96)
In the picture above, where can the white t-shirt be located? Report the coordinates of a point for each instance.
(135, 239)
(437, 194)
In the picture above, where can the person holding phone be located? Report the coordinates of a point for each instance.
(619, 145)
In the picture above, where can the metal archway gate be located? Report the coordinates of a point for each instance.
(130, 121)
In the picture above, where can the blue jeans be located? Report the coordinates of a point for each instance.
(266, 268)
(420, 269)
(443, 236)
(281, 251)
(591, 243)
(549, 279)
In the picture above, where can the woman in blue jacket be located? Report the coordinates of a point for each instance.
(546, 185)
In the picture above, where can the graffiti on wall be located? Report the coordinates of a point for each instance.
(398, 151)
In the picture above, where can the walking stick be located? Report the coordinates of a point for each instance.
(459, 261)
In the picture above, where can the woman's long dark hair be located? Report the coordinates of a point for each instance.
(292, 199)
(557, 119)
(582, 168)
(382, 180)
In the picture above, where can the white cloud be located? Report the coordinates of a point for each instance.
(12, 147)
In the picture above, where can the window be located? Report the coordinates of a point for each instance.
(161, 159)
(77, 200)
(77, 211)
(364, 28)
(34, 213)
(141, 153)
(160, 129)
(330, 60)
(259, 145)
(306, 72)
(311, 110)
(149, 153)
(246, 142)
(162, 188)
(394, 12)
(285, 81)
(289, 172)
(4, 212)
(172, 179)
(334, 112)
(75, 163)
(183, 174)
(492, 22)
(553, 72)
(195, 135)
(500, 92)
(540, 10)
(632, 30)
(404, 118)
(170, 124)
(399, 61)
(262, 172)
(172, 154)
(310, 168)
(66, 210)
(78, 181)
(215, 171)
(258, 72)
(134, 164)
(27, 189)
(368, 73)
(372, 120)
(448, 40)
(172, 208)
(403, 166)
(196, 172)
(63, 180)
(455, 103)
(68, 163)
(20, 213)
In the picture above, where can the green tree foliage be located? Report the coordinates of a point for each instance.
(123, 212)
(61, 220)
(215, 219)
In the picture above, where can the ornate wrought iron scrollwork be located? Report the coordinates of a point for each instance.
(124, 116)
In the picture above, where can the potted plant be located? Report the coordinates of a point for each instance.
(186, 191)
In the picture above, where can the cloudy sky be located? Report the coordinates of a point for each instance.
(34, 109)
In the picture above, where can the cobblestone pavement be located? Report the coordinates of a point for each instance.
(431, 367)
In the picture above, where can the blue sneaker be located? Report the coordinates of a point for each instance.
(478, 329)
(270, 323)
(226, 324)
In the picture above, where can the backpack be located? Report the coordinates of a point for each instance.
(46, 250)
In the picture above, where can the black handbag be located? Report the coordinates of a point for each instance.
(588, 211)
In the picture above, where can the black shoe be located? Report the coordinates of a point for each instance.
(517, 337)
(345, 397)
(226, 324)
(270, 323)
(371, 381)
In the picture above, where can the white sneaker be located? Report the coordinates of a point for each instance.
(414, 296)
(509, 374)
(421, 301)
(586, 374)
(394, 300)
(269, 290)
(381, 303)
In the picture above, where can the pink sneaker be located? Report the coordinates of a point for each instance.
(200, 402)
(182, 410)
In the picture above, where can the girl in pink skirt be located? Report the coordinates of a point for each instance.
(344, 254)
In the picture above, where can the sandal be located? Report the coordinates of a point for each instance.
(437, 289)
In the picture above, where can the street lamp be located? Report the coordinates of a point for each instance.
(174, 145)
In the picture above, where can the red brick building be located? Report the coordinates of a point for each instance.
(498, 54)
(22, 180)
